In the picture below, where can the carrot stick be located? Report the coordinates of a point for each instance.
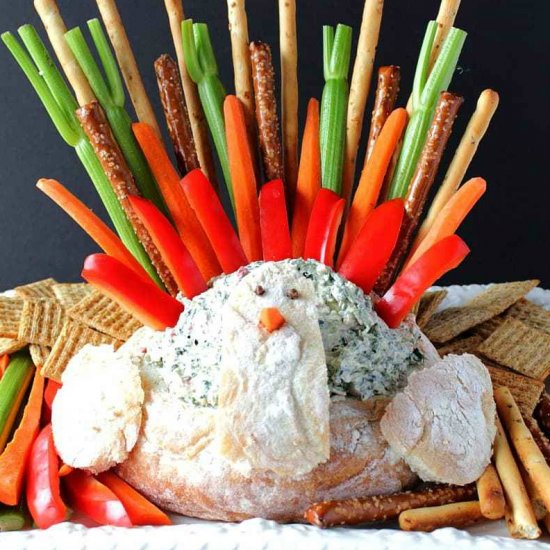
(309, 179)
(4, 362)
(450, 217)
(185, 219)
(97, 230)
(372, 177)
(243, 177)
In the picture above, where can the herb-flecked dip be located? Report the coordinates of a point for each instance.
(364, 357)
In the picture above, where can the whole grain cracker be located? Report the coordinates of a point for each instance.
(519, 347)
(10, 345)
(40, 290)
(41, 322)
(427, 306)
(69, 294)
(10, 316)
(39, 354)
(462, 344)
(72, 338)
(531, 314)
(105, 315)
(485, 329)
(451, 322)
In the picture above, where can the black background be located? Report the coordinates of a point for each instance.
(507, 49)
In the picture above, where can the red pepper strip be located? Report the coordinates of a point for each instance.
(207, 206)
(52, 388)
(43, 493)
(140, 510)
(144, 300)
(276, 241)
(171, 247)
(322, 230)
(373, 246)
(398, 301)
(90, 497)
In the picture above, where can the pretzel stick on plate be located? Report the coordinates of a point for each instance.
(289, 93)
(263, 77)
(458, 514)
(381, 508)
(520, 517)
(108, 152)
(477, 126)
(175, 112)
(423, 178)
(491, 494)
(174, 9)
(48, 12)
(359, 88)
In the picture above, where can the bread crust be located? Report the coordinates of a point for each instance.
(177, 465)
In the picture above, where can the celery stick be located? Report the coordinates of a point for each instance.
(110, 94)
(60, 105)
(334, 104)
(200, 61)
(13, 388)
(425, 94)
(12, 519)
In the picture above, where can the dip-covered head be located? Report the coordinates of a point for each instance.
(364, 357)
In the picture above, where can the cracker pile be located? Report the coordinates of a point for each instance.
(57, 320)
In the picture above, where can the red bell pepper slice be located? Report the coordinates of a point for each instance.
(52, 387)
(398, 301)
(209, 210)
(373, 246)
(90, 497)
(322, 230)
(171, 248)
(43, 492)
(276, 241)
(140, 510)
(144, 300)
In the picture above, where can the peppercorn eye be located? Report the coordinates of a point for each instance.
(259, 290)
(293, 294)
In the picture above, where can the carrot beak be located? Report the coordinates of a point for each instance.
(271, 319)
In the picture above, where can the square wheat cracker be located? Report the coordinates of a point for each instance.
(69, 294)
(10, 345)
(428, 304)
(41, 322)
(531, 314)
(10, 316)
(40, 290)
(39, 354)
(462, 344)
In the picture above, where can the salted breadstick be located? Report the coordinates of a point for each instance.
(112, 160)
(174, 9)
(534, 495)
(263, 77)
(527, 450)
(289, 93)
(520, 517)
(359, 88)
(458, 514)
(486, 107)
(446, 16)
(381, 508)
(175, 112)
(56, 29)
(127, 62)
(491, 494)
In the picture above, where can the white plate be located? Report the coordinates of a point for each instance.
(261, 534)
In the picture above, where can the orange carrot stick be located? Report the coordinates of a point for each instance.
(450, 217)
(243, 177)
(185, 220)
(98, 231)
(372, 177)
(4, 362)
(309, 179)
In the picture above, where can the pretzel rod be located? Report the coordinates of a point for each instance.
(448, 10)
(423, 178)
(174, 10)
(175, 112)
(384, 102)
(48, 12)
(458, 514)
(263, 77)
(538, 435)
(127, 62)
(289, 93)
(112, 160)
(382, 508)
(491, 494)
(520, 517)
(359, 88)
(477, 126)
(527, 450)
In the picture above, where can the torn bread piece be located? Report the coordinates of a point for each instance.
(274, 397)
(443, 423)
(96, 414)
